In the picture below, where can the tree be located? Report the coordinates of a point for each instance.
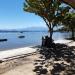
(69, 2)
(69, 23)
(49, 10)
(45, 9)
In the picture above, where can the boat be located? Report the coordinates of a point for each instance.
(21, 36)
(1, 40)
(21, 32)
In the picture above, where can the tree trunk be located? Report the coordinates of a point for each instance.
(72, 33)
(51, 31)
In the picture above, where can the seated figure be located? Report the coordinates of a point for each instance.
(47, 42)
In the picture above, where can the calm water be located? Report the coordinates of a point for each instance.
(31, 38)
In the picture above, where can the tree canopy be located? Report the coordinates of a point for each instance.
(69, 2)
(44, 8)
(49, 10)
(69, 23)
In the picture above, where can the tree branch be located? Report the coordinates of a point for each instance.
(46, 22)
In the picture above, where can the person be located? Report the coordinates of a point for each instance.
(46, 41)
(43, 41)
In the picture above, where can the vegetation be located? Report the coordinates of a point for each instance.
(70, 2)
(49, 10)
(69, 22)
(53, 13)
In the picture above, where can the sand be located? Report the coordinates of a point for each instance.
(20, 66)
(25, 64)
(4, 55)
(66, 42)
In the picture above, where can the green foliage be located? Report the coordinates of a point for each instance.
(69, 21)
(44, 8)
(70, 2)
(49, 10)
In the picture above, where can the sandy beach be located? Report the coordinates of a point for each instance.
(20, 66)
(37, 37)
(15, 53)
(24, 65)
(18, 60)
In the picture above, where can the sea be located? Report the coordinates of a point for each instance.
(29, 39)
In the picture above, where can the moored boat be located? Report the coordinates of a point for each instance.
(1, 40)
(21, 36)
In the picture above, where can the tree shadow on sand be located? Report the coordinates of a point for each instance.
(59, 60)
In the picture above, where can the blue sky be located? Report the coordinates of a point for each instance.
(12, 16)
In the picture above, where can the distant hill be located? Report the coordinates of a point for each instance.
(29, 29)
(36, 29)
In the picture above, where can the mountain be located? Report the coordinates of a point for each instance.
(36, 29)
(25, 29)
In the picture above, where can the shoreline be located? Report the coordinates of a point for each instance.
(24, 65)
(16, 53)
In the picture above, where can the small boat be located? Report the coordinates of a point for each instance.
(21, 36)
(21, 32)
(1, 40)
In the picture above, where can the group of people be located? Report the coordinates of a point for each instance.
(47, 42)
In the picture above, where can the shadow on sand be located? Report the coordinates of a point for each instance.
(56, 61)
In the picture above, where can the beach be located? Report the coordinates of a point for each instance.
(23, 64)
(15, 53)
(20, 57)
(20, 66)
(40, 43)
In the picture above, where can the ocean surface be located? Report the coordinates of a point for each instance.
(30, 39)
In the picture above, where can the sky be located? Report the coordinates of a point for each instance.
(12, 16)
